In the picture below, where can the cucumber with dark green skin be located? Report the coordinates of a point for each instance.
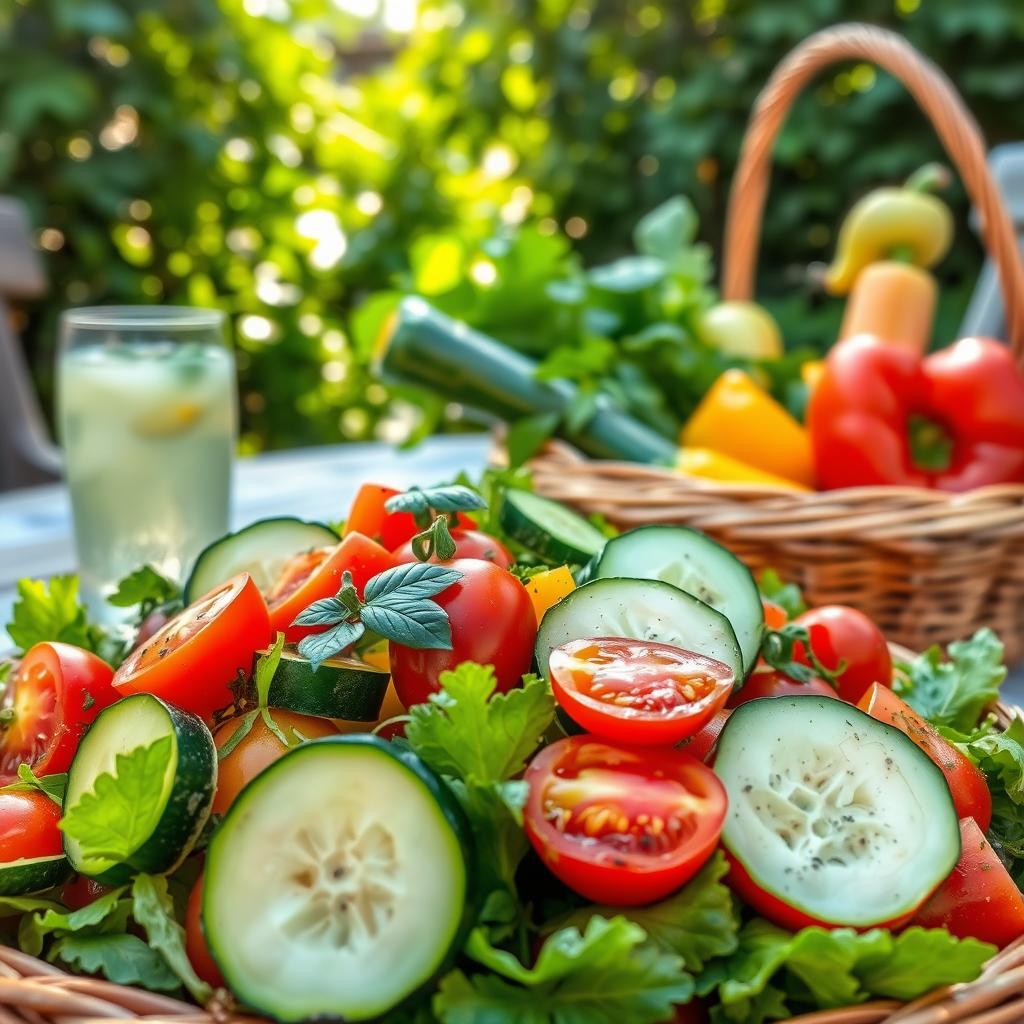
(428, 349)
(365, 869)
(343, 688)
(33, 874)
(135, 721)
(549, 529)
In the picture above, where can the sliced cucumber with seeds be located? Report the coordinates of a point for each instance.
(362, 861)
(641, 610)
(260, 549)
(32, 874)
(832, 814)
(183, 805)
(344, 688)
(692, 561)
(549, 529)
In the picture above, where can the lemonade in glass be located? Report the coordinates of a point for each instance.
(147, 415)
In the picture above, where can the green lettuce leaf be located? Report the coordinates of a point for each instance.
(466, 733)
(607, 974)
(121, 958)
(698, 923)
(956, 692)
(108, 913)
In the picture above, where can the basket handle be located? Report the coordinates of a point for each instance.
(937, 97)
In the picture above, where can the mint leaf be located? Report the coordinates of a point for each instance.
(668, 230)
(50, 611)
(412, 622)
(123, 959)
(697, 923)
(411, 580)
(318, 647)
(787, 596)
(146, 588)
(52, 786)
(328, 611)
(119, 815)
(954, 693)
(444, 498)
(465, 732)
(153, 909)
(608, 974)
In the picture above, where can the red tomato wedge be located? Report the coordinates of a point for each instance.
(979, 899)
(317, 574)
(775, 616)
(966, 782)
(53, 695)
(619, 824)
(637, 691)
(194, 660)
(28, 827)
(369, 517)
(195, 941)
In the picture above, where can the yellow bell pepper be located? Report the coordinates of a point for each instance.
(739, 419)
(547, 588)
(709, 465)
(741, 329)
(378, 656)
(906, 224)
(811, 371)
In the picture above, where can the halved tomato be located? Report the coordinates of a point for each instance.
(317, 574)
(971, 796)
(53, 695)
(28, 827)
(194, 660)
(620, 824)
(637, 691)
(979, 899)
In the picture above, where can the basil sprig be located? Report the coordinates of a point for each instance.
(396, 605)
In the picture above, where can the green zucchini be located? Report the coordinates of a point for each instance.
(549, 528)
(185, 798)
(344, 688)
(339, 883)
(32, 874)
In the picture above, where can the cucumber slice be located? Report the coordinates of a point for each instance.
(549, 529)
(32, 874)
(692, 561)
(344, 688)
(185, 799)
(642, 610)
(337, 884)
(260, 549)
(838, 816)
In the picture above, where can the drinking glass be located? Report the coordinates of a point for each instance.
(147, 418)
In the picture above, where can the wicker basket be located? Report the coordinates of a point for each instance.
(929, 567)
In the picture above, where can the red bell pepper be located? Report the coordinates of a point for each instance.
(953, 420)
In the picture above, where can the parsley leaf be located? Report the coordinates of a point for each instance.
(48, 611)
(146, 588)
(52, 786)
(153, 908)
(465, 732)
(607, 974)
(826, 968)
(697, 923)
(121, 958)
(119, 815)
(787, 596)
(954, 693)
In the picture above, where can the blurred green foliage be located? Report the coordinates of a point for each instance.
(219, 151)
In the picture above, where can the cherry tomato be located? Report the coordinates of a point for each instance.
(979, 899)
(369, 517)
(775, 616)
(637, 691)
(702, 744)
(195, 940)
(28, 826)
(492, 623)
(965, 780)
(468, 544)
(79, 891)
(839, 634)
(619, 824)
(259, 749)
(317, 574)
(53, 695)
(194, 660)
(767, 682)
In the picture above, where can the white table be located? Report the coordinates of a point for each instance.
(315, 483)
